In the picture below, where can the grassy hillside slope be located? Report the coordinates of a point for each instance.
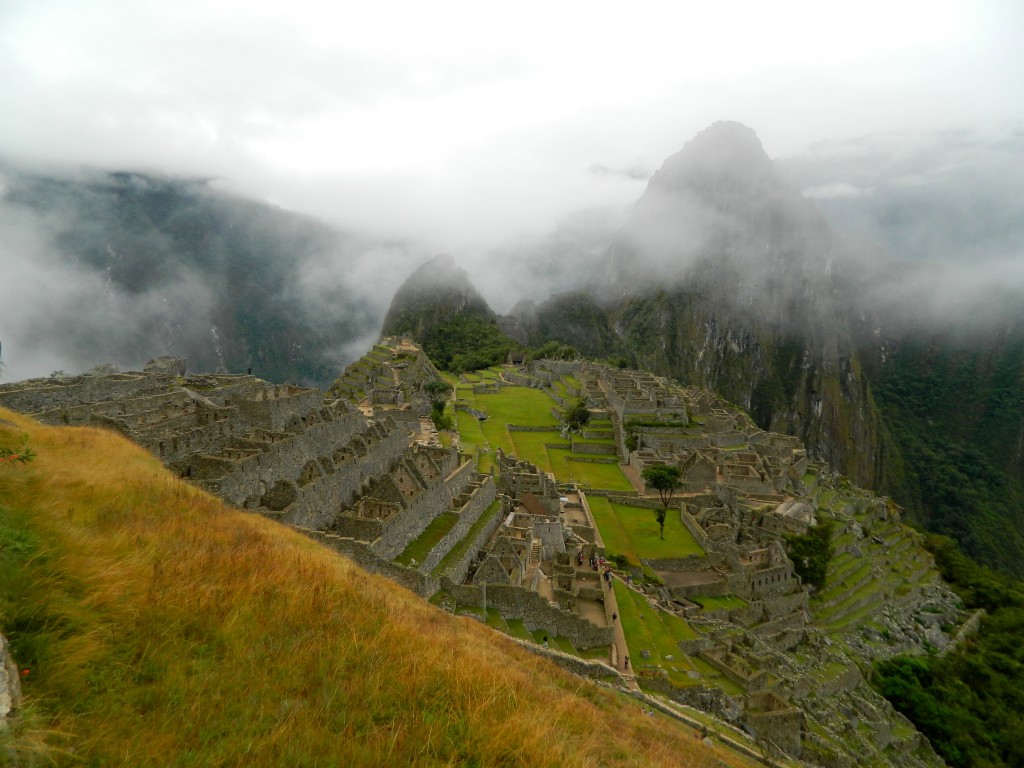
(160, 627)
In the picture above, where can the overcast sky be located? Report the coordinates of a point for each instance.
(465, 123)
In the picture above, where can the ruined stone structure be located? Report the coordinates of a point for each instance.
(356, 471)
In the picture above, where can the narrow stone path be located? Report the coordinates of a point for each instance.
(620, 651)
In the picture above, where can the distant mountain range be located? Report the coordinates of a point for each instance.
(865, 296)
(725, 276)
(127, 266)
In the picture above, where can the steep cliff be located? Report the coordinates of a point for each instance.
(725, 276)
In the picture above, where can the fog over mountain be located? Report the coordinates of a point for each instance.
(517, 143)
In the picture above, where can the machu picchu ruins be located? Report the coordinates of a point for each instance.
(545, 532)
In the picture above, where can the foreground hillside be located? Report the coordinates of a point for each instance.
(159, 627)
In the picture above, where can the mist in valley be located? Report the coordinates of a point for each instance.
(249, 185)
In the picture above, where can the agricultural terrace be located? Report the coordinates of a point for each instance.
(528, 407)
(658, 633)
(633, 532)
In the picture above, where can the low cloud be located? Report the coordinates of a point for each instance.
(835, 189)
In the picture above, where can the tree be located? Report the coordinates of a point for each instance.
(811, 553)
(664, 479)
(578, 415)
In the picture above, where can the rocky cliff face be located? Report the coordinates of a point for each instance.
(726, 277)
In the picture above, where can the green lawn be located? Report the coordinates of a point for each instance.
(472, 439)
(722, 602)
(527, 407)
(642, 527)
(420, 547)
(496, 620)
(633, 532)
(531, 447)
(658, 632)
(524, 406)
(516, 628)
(616, 540)
(593, 475)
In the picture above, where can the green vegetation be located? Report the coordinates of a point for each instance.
(632, 533)
(954, 410)
(418, 549)
(456, 552)
(969, 702)
(438, 391)
(22, 454)
(719, 602)
(659, 633)
(466, 343)
(664, 479)
(590, 474)
(554, 350)
(811, 553)
(528, 407)
(577, 416)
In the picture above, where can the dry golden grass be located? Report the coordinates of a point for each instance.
(163, 628)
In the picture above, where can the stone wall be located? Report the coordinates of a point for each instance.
(466, 595)
(694, 528)
(37, 395)
(676, 564)
(280, 457)
(273, 409)
(361, 553)
(10, 684)
(456, 572)
(773, 721)
(537, 613)
(420, 511)
(595, 670)
(593, 449)
(478, 503)
(320, 501)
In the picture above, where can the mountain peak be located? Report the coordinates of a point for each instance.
(725, 153)
(437, 291)
(719, 212)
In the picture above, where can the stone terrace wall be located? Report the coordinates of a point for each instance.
(468, 515)
(365, 557)
(595, 670)
(281, 459)
(457, 571)
(422, 508)
(274, 409)
(320, 501)
(518, 603)
(38, 395)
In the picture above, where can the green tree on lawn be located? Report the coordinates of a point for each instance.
(438, 392)
(578, 416)
(664, 479)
